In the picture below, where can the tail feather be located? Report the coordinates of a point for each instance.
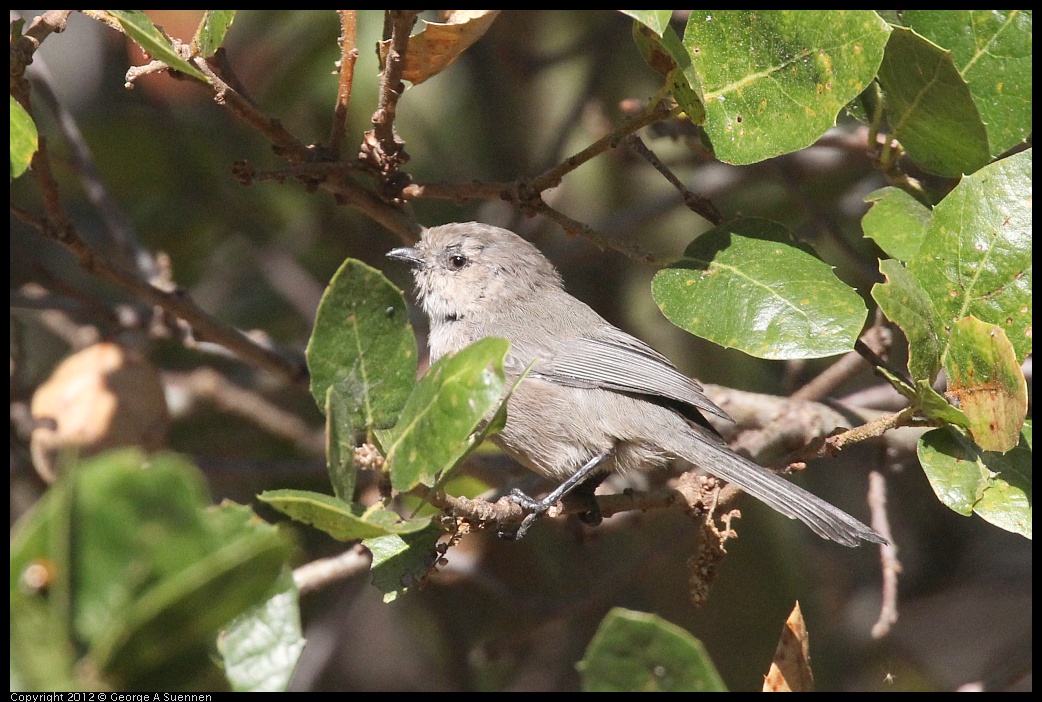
(826, 520)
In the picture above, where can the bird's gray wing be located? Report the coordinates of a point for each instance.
(614, 360)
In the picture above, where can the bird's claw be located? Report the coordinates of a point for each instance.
(536, 508)
(529, 503)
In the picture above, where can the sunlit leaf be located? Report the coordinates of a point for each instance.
(655, 20)
(341, 520)
(775, 80)
(746, 285)
(896, 221)
(24, 139)
(976, 257)
(400, 562)
(437, 425)
(261, 647)
(665, 53)
(996, 486)
(987, 382)
(211, 32)
(363, 341)
(437, 46)
(906, 304)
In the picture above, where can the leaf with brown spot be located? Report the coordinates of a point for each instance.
(987, 382)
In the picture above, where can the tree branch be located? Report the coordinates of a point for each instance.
(56, 226)
(527, 194)
(876, 339)
(320, 573)
(381, 148)
(346, 68)
(701, 206)
(888, 554)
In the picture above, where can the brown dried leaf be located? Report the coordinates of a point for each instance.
(99, 398)
(438, 45)
(790, 670)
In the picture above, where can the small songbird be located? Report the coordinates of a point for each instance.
(595, 399)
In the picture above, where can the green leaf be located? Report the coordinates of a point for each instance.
(24, 139)
(344, 410)
(667, 55)
(908, 306)
(746, 285)
(211, 31)
(341, 520)
(932, 404)
(363, 342)
(931, 110)
(177, 619)
(976, 258)
(43, 656)
(436, 427)
(991, 49)
(967, 479)
(494, 425)
(402, 561)
(638, 652)
(655, 20)
(896, 221)
(260, 648)
(926, 400)
(151, 575)
(140, 29)
(123, 541)
(983, 374)
(774, 81)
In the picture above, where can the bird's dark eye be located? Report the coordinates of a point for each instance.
(457, 261)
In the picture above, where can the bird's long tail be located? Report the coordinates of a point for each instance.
(827, 521)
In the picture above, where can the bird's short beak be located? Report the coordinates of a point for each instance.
(405, 255)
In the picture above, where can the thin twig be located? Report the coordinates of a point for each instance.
(207, 383)
(701, 206)
(824, 384)
(333, 178)
(553, 177)
(527, 194)
(24, 48)
(461, 192)
(873, 430)
(576, 228)
(176, 302)
(889, 158)
(117, 224)
(870, 355)
(402, 22)
(346, 68)
(282, 141)
(887, 552)
(59, 315)
(504, 512)
(521, 190)
(320, 573)
(381, 148)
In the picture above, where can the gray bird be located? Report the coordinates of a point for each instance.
(596, 399)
